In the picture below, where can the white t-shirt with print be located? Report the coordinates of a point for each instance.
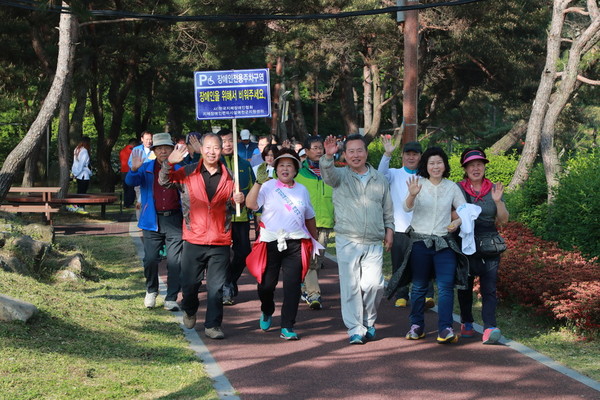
(284, 208)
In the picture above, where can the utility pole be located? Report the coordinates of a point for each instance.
(411, 68)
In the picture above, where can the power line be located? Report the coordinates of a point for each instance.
(32, 5)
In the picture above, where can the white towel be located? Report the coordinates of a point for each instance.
(468, 213)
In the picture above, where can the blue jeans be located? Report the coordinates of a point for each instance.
(399, 247)
(169, 234)
(424, 262)
(487, 270)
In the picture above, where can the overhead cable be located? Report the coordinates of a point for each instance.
(34, 6)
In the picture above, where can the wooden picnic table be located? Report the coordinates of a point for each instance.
(41, 198)
(42, 194)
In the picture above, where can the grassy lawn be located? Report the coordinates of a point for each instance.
(94, 339)
(541, 334)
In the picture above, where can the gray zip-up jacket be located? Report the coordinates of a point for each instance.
(362, 211)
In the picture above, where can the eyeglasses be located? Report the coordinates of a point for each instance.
(316, 148)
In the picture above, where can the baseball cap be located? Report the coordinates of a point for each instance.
(412, 146)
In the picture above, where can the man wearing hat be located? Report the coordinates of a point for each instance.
(397, 177)
(245, 146)
(160, 220)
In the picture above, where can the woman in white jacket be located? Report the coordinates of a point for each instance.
(81, 170)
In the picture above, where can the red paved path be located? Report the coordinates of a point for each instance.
(322, 365)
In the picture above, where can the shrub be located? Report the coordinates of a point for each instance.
(538, 274)
(572, 218)
(528, 204)
(578, 303)
(376, 152)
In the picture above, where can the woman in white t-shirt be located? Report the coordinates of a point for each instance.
(288, 231)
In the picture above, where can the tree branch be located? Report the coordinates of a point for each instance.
(577, 10)
(110, 21)
(482, 67)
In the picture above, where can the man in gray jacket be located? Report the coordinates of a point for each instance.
(364, 219)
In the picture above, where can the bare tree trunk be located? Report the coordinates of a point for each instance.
(348, 110)
(30, 170)
(76, 125)
(507, 141)
(367, 96)
(316, 107)
(64, 126)
(581, 44)
(371, 133)
(394, 107)
(20, 153)
(540, 104)
(276, 96)
(297, 112)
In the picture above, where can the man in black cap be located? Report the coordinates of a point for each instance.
(411, 155)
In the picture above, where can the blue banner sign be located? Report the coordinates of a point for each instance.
(232, 94)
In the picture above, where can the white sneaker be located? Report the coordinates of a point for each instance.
(150, 300)
(171, 305)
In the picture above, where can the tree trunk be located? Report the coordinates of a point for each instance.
(394, 107)
(581, 45)
(64, 126)
(31, 164)
(20, 153)
(373, 130)
(348, 110)
(507, 141)
(540, 104)
(367, 96)
(297, 112)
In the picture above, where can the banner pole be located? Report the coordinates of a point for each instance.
(236, 169)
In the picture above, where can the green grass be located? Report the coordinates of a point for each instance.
(94, 339)
(544, 335)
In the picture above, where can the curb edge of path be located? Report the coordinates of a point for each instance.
(527, 351)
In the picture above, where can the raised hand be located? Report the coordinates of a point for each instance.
(497, 191)
(177, 155)
(262, 174)
(195, 143)
(137, 159)
(389, 145)
(331, 146)
(286, 144)
(414, 187)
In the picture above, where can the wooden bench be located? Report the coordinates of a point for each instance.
(43, 195)
(38, 199)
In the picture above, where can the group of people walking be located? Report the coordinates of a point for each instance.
(414, 212)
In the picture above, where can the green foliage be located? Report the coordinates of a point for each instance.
(572, 218)
(528, 204)
(376, 152)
